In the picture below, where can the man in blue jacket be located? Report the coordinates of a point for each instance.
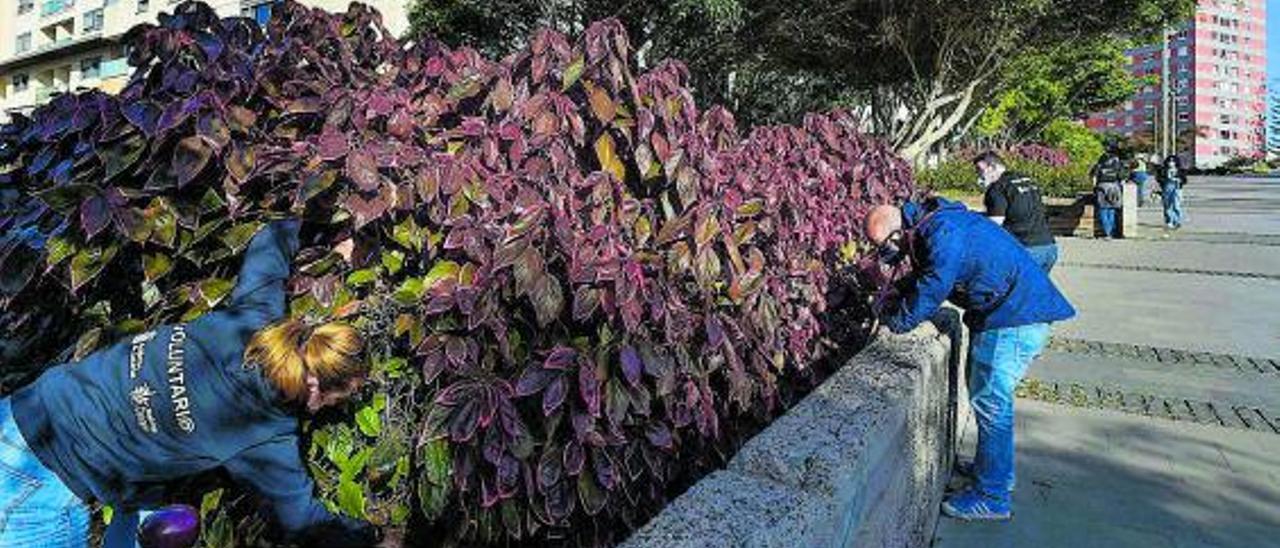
(1009, 303)
(124, 424)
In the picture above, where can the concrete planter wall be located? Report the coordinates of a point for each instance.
(862, 461)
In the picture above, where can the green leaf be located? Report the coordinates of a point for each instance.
(393, 368)
(119, 157)
(399, 514)
(210, 503)
(573, 72)
(156, 265)
(88, 263)
(443, 270)
(351, 499)
(211, 202)
(315, 183)
(369, 420)
(466, 87)
(410, 291)
(393, 261)
(163, 221)
(356, 464)
(409, 235)
(362, 276)
(213, 290)
(59, 248)
(338, 447)
(237, 238)
(87, 343)
(607, 154)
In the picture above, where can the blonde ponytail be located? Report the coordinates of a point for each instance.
(289, 350)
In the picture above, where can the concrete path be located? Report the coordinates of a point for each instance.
(1154, 417)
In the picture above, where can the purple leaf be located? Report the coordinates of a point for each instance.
(589, 387)
(560, 358)
(632, 365)
(534, 380)
(554, 396)
(95, 214)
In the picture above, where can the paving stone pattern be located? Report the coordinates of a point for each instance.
(1162, 407)
(1131, 268)
(1170, 356)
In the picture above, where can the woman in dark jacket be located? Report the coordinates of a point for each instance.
(223, 391)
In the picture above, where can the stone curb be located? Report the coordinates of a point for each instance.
(862, 461)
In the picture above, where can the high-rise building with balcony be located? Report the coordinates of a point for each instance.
(1216, 87)
(54, 46)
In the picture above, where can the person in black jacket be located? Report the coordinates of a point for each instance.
(1108, 190)
(1013, 201)
(225, 390)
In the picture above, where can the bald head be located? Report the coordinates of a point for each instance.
(883, 221)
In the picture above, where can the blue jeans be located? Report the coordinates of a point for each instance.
(36, 508)
(1172, 197)
(1107, 218)
(998, 359)
(1045, 256)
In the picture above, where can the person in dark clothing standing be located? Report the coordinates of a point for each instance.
(1108, 190)
(225, 390)
(1013, 201)
(1009, 303)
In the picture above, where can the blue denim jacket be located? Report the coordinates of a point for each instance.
(965, 258)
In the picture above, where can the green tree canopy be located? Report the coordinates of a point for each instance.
(916, 71)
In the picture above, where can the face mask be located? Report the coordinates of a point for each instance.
(889, 252)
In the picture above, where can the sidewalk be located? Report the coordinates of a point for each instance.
(1094, 478)
(1159, 419)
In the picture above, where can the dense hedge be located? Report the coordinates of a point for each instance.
(580, 290)
(1057, 174)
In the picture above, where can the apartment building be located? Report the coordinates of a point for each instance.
(53, 46)
(1217, 67)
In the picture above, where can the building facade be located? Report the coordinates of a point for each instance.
(55, 46)
(1217, 77)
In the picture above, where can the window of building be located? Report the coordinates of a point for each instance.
(25, 6)
(261, 13)
(24, 43)
(93, 20)
(143, 5)
(91, 68)
(20, 82)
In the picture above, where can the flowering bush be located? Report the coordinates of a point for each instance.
(1053, 169)
(579, 288)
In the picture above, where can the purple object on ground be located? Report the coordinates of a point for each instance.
(176, 526)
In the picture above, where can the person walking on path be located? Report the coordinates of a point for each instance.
(1108, 190)
(1009, 303)
(128, 424)
(1141, 177)
(1013, 201)
(1172, 178)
